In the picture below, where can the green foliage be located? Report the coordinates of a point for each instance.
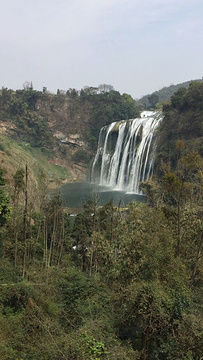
(81, 156)
(20, 107)
(177, 100)
(182, 121)
(106, 106)
(163, 95)
(17, 106)
(137, 302)
(7, 272)
(153, 100)
(19, 184)
(93, 349)
(4, 202)
(76, 289)
(155, 298)
(4, 208)
(37, 133)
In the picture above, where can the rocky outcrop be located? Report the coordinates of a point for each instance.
(71, 139)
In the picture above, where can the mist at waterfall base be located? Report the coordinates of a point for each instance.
(124, 158)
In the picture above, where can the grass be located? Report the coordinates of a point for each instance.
(14, 156)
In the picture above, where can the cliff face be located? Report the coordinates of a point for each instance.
(64, 114)
(67, 128)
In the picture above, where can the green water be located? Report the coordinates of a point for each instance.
(77, 194)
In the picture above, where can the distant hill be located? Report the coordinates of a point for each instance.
(150, 100)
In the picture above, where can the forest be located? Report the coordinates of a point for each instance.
(114, 283)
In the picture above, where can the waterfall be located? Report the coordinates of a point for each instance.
(125, 153)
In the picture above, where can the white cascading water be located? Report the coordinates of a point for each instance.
(125, 153)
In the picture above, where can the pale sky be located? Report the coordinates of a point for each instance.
(138, 46)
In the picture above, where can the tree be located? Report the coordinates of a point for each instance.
(102, 88)
(6, 96)
(128, 107)
(27, 85)
(153, 100)
(5, 210)
(19, 184)
(55, 232)
(178, 99)
(83, 228)
(25, 222)
(4, 202)
(152, 287)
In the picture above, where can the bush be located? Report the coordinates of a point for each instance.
(81, 156)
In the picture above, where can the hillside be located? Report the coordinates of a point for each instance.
(63, 128)
(159, 96)
(15, 156)
(181, 131)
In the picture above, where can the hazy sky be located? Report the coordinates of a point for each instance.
(138, 46)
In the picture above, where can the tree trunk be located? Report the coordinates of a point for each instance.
(45, 244)
(52, 241)
(178, 229)
(198, 255)
(61, 241)
(25, 222)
